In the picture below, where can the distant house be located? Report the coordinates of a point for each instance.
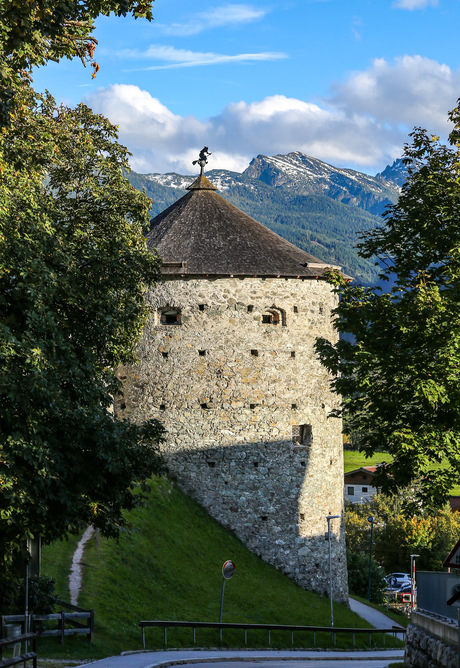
(454, 502)
(358, 484)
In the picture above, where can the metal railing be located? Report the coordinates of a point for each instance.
(394, 632)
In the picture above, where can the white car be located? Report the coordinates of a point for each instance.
(397, 580)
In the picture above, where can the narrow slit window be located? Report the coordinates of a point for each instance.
(255, 353)
(292, 353)
(201, 307)
(165, 355)
(250, 308)
(162, 407)
(295, 309)
(202, 353)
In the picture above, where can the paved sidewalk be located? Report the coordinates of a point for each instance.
(162, 659)
(373, 616)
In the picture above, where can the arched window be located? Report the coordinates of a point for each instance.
(170, 316)
(274, 316)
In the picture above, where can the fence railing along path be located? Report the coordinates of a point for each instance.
(75, 621)
(395, 632)
(20, 658)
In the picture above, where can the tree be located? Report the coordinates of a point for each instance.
(32, 33)
(73, 272)
(400, 374)
(398, 534)
(358, 576)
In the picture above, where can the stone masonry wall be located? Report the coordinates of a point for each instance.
(425, 650)
(246, 408)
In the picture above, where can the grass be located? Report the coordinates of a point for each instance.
(56, 562)
(352, 459)
(169, 567)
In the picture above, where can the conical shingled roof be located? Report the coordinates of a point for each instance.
(203, 234)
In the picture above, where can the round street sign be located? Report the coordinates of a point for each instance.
(228, 569)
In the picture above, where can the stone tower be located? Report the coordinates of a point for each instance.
(227, 364)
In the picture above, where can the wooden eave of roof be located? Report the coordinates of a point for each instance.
(363, 469)
(202, 234)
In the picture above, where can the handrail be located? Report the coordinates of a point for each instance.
(23, 658)
(395, 630)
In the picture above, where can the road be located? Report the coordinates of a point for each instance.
(262, 658)
(259, 658)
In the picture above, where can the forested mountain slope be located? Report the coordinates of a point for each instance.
(319, 208)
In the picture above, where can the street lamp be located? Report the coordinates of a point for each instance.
(329, 518)
(371, 520)
(412, 580)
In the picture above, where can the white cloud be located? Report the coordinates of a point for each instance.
(161, 141)
(411, 90)
(176, 58)
(215, 17)
(363, 123)
(414, 4)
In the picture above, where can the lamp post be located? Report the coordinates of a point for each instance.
(412, 580)
(371, 520)
(329, 518)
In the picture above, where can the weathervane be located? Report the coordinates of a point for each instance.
(202, 160)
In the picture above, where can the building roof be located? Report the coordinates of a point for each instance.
(203, 234)
(366, 469)
(454, 502)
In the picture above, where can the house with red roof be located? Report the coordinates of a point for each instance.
(359, 484)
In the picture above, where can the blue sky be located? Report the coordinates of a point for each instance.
(341, 80)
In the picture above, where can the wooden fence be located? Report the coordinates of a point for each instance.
(76, 621)
(19, 658)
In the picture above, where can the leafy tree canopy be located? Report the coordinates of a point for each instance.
(32, 33)
(73, 272)
(400, 374)
(398, 534)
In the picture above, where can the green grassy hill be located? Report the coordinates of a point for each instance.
(353, 459)
(169, 567)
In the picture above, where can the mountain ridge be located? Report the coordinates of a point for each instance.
(320, 208)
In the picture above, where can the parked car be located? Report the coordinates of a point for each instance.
(397, 580)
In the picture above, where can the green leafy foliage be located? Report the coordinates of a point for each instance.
(398, 534)
(399, 374)
(358, 576)
(32, 33)
(73, 273)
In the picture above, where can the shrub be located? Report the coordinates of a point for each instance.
(358, 576)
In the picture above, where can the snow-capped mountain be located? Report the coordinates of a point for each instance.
(319, 207)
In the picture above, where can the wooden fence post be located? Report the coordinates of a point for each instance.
(91, 626)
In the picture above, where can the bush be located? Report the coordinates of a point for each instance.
(358, 576)
(42, 595)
